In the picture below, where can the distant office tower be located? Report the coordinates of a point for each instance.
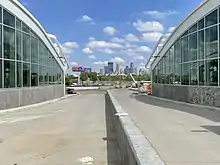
(106, 69)
(88, 70)
(136, 70)
(101, 71)
(121, 71)
(131, 67)
(126, 70)
(110, 67)
(117, 70)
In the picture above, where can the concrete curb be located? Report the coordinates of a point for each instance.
(137, 147)
(35, 105)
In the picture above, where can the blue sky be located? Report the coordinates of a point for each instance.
(93, 32)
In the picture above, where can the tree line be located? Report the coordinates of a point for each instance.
(94, 77)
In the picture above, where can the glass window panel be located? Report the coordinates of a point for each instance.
(0, 15)
(50, 76)
(193, 46)
(41, 53)
(34, 75)
(34, 50)
(212, 72)
(185, 74)
(177, 52)
(9, 43)
(211, 42)
(46, 75)
(0, 41)
(8, 19)
(9, 74)
(193, 74)
(167, 78)
(41, 75)
(172, 55)
(184, 34)
(177, 74)
(18, 45)
(19, 74)
(201, 67)
(211, 19)
(185, 52)
(201, 43)
(193, 28)
(172, 79)
(26, 47)
(0, 73)
(167, 59)
(18, 24)
(26, 74)
(201, 24)
(25, 28)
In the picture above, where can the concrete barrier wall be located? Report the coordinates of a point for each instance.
(191, 94)
(132, 146)
(16, 97)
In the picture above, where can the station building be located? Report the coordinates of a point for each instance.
(31, 67)
(186, 66)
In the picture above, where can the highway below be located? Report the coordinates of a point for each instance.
(63, 133)
(181, 134)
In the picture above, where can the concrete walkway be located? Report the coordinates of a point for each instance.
(59, 133)
(182, 135)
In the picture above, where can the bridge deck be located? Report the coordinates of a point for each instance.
(55, 134)
(182, 135)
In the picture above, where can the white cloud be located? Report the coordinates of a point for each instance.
(148, 26)
(71, 44)
(138, 57)
(109, 30)
(151, 36)
(103, 44)
(118, 60)
(68, 48)
(92, 57)
(86, 18)
(106, 51)
(131, 38)
(87, 51)
(91, 38)
(160, 14)
(101, 63)
(118, 40)
(143, 49)
(74, 63)
(171, 29)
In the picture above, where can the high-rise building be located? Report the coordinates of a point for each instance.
(117, 70)
(101, 71)
(106, 69)
(131, 67)
(126, 70)
(88, 70)
(110, 67)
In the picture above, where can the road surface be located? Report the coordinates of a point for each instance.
(181, 134)
(59, 133)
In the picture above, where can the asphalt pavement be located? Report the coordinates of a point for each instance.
(182, 134)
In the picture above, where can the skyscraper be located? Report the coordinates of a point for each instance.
(131, 67)
(117, 70)
(110, 67)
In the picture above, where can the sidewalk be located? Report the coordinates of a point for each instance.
(181, 135)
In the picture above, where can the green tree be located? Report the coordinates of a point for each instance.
(93, 76)
(84, 76)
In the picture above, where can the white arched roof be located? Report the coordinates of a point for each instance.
(203, 9)
(23, 14)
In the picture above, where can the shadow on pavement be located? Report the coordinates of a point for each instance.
(112, 150)
(214, 129)
(204, 112)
